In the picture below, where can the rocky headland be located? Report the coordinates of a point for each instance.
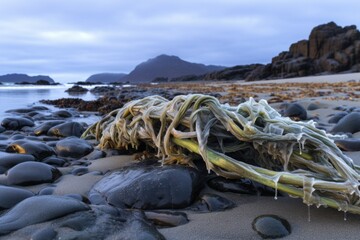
(26, 79)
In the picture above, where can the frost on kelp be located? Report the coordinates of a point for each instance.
(250, 140)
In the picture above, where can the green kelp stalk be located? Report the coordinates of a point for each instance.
(251, 140)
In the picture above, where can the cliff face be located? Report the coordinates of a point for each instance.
(329, 49)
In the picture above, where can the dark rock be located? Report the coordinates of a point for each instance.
(329, 49)
(67, 129)
(348, 144)
(242, 186)
(294, 111)
(100, 222)
(313, 106)
(212, 203)
(38, 209)
(96, 154)
(79, 171)
(62, 114)
(271, 226)
(2, 129)
(348, 124)
(73, 147)
(147, 187)
(77, 89)
(16, 123)
(47, 191)
(30, 173)
(103, 90)
(54, 161)
(10, 160)
(11, 196)
(27, 110)
(44, 234)
(38, 149)
(236, 72)
(166, 218)
(336, 118)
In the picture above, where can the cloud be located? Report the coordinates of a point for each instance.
(67, 38)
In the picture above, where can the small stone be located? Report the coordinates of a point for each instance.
(166, 218)
(212, 203)
(66, 130)
(38, 149)
(295, 111)
(16, 123)
(348, 144)
(38, 209)
(30, 173)
(10, 196)
(73, 147)
(44, 234)
(348, 124)
(10, 160)
(271, 226)
(336, 118)
(44, 127)
(62, 114)
(242, 186)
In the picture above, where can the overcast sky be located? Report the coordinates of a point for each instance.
(70, 40)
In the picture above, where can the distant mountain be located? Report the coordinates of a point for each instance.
(22, 78)
(106, 77)
(168, 67)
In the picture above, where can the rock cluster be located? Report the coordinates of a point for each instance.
(329, 49)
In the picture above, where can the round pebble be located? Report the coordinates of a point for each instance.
(348, 124)
(295, 111)
(67, 129)
(10, 196)
(38, 149)
(10, 160)
(30, 173)
(73, 147)
(16, 123)
(336, 118)
(43, 208)
(271, 226)
(348, 144)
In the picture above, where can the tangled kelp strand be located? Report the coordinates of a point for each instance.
(289, 156)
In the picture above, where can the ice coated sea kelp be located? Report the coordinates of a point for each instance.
(251, 140)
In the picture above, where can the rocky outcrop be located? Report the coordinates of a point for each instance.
(329, 49)
(237, 72)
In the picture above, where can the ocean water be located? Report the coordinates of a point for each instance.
(22, 96)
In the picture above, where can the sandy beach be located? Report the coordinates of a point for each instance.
(236, 223)
(329, 96)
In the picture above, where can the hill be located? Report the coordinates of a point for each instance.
(168, 67)
(23, 78)
(106, 77)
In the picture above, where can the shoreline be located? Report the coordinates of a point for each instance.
(80, 174)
